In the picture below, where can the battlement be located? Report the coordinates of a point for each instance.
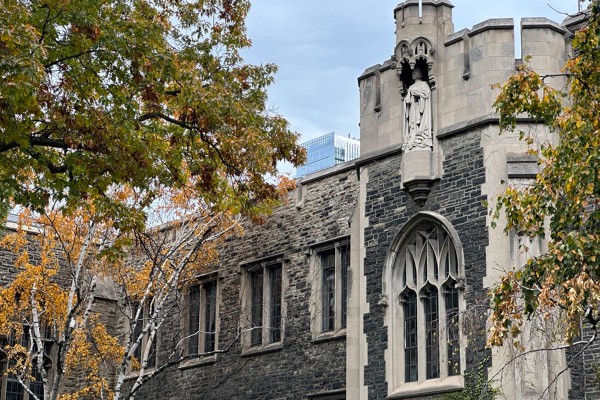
(461, 67)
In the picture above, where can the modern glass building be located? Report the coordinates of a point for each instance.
(326, 151)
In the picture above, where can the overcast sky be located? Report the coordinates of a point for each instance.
(322, 46)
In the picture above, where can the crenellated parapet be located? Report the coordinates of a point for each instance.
(460, 68)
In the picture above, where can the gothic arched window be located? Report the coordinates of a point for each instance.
(425, 297)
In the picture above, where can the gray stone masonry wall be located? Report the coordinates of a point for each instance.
(457, 196)
(584, 368)
(301, 367)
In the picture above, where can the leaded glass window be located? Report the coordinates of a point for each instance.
(426, 273)
(202, 317)
(264, 303)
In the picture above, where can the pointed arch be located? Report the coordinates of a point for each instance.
(423, 280)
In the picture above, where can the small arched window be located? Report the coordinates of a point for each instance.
(425, 303)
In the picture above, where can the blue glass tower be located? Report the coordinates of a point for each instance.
(326, 151)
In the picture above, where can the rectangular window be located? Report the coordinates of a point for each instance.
(263, 303)
(334, 265)
(202, 318)
(142, 320)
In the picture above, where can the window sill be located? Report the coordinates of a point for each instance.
(198, 362)
(430, 386)
(257, 350)
(330, 336)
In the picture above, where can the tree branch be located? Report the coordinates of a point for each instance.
(48, 66)
(35, 140)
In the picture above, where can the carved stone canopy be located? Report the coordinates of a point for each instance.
(410, 55)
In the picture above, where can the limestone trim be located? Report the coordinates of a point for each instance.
(269, 348)
(540, 22)
(432, 386)
(475, 123)
(262, 315)
(494, 23)
(456, 37)
(198, 362)
(394, 287)
(335, 253)
(202, 283)
(356, 339)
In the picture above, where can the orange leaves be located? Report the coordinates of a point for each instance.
(92, 351)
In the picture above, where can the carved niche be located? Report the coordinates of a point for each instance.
(417, 54)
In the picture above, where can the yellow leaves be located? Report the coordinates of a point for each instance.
(14, 241)
(93, 353)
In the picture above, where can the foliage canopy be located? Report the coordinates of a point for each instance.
(143, 93)
(114, 113)
(564, 201)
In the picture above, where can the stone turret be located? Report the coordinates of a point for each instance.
(427, 117)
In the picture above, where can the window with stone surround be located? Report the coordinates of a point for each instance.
(262, 304)
(201, 327)
(424, 301)
(139, 319)
(330, 262)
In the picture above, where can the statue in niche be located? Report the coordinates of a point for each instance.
(417, 114)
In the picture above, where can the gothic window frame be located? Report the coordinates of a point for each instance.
(7, 380)
(263, 306)
(424, 263)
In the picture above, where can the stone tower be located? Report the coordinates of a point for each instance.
(431, 156)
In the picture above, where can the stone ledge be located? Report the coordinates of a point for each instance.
(476, 123)
(330, 336)
(540, 22)
(198, 362)
(455, 37)
(428, 387)
(494, 23)
(256, 351)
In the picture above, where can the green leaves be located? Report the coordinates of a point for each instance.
(564, 201)
(137, 93)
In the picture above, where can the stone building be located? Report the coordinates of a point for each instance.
(370, 283)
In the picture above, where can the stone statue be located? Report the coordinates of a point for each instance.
(417, 114)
